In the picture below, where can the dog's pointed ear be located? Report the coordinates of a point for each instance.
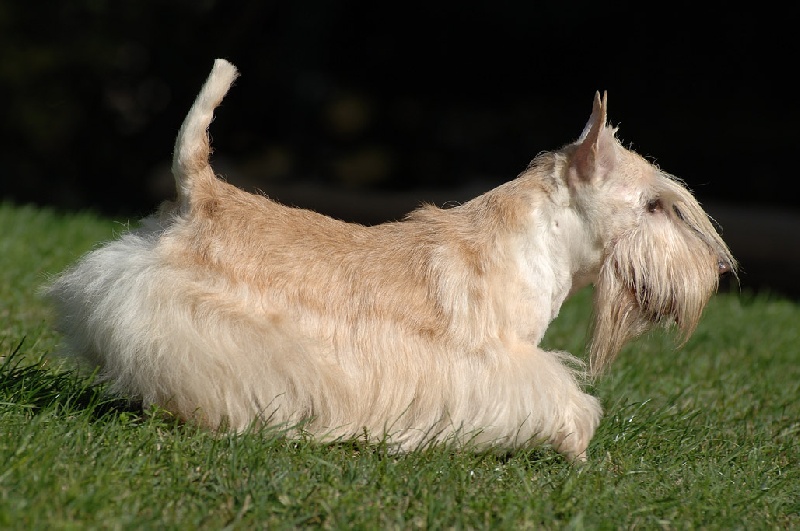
(596, 150)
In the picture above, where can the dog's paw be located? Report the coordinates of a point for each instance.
(573, 439)
(572, 444)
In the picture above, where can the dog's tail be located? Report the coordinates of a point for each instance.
(190, 162)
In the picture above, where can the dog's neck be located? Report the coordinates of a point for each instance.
(560, 241)
(540, 242)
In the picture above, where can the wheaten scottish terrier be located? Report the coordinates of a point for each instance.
(228, 309)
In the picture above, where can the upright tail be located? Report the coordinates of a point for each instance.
(192, 146)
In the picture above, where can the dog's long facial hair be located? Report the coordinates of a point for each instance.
(657, 273)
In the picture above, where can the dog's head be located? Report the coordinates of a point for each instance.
(661, 255)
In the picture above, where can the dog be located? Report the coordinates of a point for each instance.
(230, 310)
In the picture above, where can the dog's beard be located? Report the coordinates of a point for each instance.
(661, 273)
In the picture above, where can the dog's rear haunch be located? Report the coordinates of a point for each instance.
(229, 309)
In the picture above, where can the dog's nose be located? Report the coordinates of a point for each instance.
(724, 266)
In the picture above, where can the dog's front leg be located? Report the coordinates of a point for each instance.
(575, 414)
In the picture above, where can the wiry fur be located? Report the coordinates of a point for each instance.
(229, 308)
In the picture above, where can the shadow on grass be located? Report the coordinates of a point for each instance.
(36, 387)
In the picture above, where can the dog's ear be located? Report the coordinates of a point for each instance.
(595, 154)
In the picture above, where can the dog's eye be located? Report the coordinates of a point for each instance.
(654, 205)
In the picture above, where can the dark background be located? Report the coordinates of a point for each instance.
(363, 109)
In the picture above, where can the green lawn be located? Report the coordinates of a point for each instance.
(704, 437)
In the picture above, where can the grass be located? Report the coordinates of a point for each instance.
(702, 437)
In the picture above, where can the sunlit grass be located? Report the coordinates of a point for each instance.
(705, 436)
